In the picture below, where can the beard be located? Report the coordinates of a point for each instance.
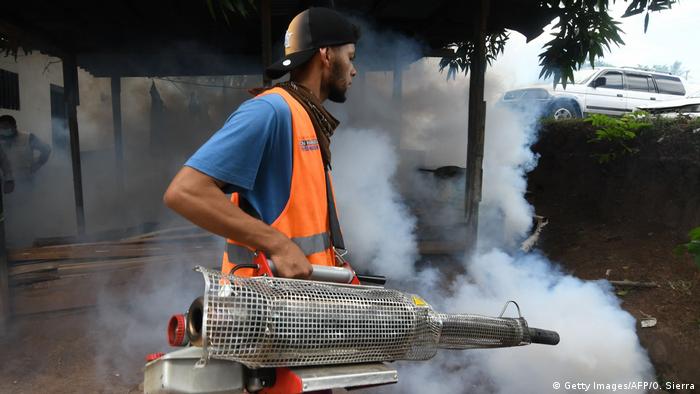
(336, 90)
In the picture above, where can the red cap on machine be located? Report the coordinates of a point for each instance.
(154, 356)
(176, 331)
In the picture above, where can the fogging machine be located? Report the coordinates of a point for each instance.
(336, 330)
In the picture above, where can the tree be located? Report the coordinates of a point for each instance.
(583, 31)
(495, 45)
(674, 69)
(233, 7)
(599, 63)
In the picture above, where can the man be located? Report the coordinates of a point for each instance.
(21, 149)
(273, 153)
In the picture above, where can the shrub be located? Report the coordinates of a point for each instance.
(692, 247)
(618, 131)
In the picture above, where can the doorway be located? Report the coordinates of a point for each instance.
(59, 124)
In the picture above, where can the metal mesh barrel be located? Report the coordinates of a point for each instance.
(275, 322)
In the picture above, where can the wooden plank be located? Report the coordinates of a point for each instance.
(629, 283)
(186, 229)
(92, 265)
(102, 251)
(78, 289)
(69, 293)
(112, 265)
(31, 268)
(33, 277)
(134, 240)
(175, 238)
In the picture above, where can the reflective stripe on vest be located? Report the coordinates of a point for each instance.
(304, 218)
(309, 245)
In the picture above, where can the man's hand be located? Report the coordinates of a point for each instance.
(290, 261)
(8, 187)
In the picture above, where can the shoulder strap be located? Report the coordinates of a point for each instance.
(336, 234)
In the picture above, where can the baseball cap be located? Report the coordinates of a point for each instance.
(314, 28)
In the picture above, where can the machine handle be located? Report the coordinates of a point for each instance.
(372, 280)
(544, 337)
(324, 273)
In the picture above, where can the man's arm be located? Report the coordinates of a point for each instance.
(44, 151)
(200, 199)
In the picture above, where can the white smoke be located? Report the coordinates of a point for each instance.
(371, 207)
(598, 339)
(505, 215)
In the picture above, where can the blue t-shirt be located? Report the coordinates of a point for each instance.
(252, 154)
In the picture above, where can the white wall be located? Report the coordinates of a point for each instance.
(36, 73)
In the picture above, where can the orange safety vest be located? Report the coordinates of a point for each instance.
(304, 218)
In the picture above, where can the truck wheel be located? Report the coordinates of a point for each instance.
(564, 110)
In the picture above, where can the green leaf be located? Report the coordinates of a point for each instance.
(693, 247)
(694, 234)
(211, 9)
(646, 22)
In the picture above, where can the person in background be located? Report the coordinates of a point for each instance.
(6, 181)
(21, 149)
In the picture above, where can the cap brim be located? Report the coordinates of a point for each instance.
(289, 63)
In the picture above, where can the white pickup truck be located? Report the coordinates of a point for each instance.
(604, 90)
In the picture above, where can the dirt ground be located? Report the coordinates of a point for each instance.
(622, 220)
(592, 250)
(56, 353)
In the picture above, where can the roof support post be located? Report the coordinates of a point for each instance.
(4, 276)
(266, 23)
(397, 97)
(70, 85)
(117, 126)
(476, 126)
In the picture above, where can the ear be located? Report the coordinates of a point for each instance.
(326, 56)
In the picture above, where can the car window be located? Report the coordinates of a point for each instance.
(613, 80)
(640, 83)
(536, 94)
(513, 94)
(670, 85)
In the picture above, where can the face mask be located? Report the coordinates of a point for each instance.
(7, 133)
